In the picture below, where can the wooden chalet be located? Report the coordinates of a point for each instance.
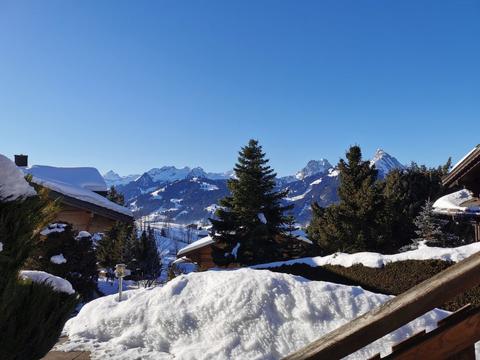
(464, 204)
(81, 194)
(200, 251)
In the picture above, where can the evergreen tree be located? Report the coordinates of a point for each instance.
(251, 218)
(118, 244)
(32, 315)
(429, 227)
(148, 258)
(353, 224)
(66, 254)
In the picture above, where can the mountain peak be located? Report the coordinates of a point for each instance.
(313, 167)
(384, 162)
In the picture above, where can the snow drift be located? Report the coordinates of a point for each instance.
(376, 260)
(240, 314)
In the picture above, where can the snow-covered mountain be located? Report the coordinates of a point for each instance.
(313, 167)
(112, 178)
(189, 195)
(384, 163)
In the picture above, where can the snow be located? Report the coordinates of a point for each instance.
(235, 250)
(53, 228)
(114, 179)
(207, 240)
(384, 162)
(107, 287)
(13, 185)
(208, 187)
(241, 314)
(58, 259)
(298, 197)
(458, 202)
(463, 158)
(83, 234)
(262, 218)
(1, 246)
(313, 167)
(376, 260)
(213, 208)
(333, 173)
(183, 266)
(316, 182)
(57, 283)
(84, 177)
(81, 194)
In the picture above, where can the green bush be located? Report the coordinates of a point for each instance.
(32, 316)
(393, 279)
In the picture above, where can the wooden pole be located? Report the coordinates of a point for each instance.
(394, 313)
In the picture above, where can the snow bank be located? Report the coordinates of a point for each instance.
(241, 314)
(376, 260)
(13, 185)
(58, 259)
(53, 228)
(458, 202)
(82, 234)
(57, 283)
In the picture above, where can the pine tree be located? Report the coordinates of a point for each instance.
(79, 265)
(118, 244)
(148, 258)
(430, 228)
(352, 224)
(251, 218)
(37, 311)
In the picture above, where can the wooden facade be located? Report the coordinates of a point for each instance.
(83, 215)
(202, 257)
(466, 175)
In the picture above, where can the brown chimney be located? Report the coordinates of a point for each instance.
(21, 160)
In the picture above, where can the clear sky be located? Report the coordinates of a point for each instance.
(131, 85)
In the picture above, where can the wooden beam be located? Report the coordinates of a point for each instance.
(394, 313)
(454, 339)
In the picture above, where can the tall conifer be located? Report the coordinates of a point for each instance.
(252, 218)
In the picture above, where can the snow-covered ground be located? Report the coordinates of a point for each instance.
(376, 260)
(240, 314)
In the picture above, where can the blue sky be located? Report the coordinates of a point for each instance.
(131, 85)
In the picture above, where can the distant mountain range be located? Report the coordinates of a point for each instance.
(190, 195)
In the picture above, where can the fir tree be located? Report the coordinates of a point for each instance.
(251, 218)
(118, 244)
(352, 224)
(147, 257)
(79, 265)
(430, 228)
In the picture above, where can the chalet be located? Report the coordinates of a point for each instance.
(464, 203)
(81, 194)
(200, 251)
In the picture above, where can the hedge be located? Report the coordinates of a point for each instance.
(32, 316)
(393, 279)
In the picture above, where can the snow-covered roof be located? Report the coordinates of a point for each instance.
(459, 202)
(207, 240)
(84, 177)
(12, 181)
(81, 194)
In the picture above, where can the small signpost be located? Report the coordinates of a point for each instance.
(120, 272)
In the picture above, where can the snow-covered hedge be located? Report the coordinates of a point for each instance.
(240, 314)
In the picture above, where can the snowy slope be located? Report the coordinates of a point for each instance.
(241, 314)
